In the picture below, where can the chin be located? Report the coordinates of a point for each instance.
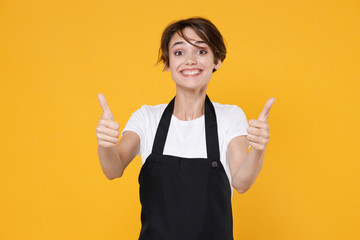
(190, 83)
(191, 87)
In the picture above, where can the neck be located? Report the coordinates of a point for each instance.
(189, 106)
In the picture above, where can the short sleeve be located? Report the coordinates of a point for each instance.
(137, 124)
(238, 124)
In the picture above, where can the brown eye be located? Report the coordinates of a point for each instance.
(202, 51)
(178, 53)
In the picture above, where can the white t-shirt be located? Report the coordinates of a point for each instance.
(187, 138)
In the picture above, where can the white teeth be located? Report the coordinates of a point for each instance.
(192, 72)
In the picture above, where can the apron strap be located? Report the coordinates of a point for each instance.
(162, 129)
(211, 133)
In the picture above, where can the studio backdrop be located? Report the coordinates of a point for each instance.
(56, 56)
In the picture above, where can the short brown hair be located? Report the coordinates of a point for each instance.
(205, 29)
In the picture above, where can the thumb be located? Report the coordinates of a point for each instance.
(265, 112)
(107, 114)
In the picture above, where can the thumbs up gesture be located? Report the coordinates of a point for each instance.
(258, 131)
(107, 130)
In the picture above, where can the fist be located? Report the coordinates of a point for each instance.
(107, 130)
(258, 130)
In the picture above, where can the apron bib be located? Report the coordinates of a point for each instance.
(185, 198)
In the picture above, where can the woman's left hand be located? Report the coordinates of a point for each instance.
(258, 131)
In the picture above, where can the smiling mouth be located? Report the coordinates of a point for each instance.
(190, 73)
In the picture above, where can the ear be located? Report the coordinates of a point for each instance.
(217, 66)
(166, 68)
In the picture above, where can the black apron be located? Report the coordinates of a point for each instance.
(185, 198)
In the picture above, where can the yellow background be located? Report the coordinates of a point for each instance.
(56, 56)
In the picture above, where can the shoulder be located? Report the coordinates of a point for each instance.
(231, 121)
(228, 110)
(145, 116)
(146, 112)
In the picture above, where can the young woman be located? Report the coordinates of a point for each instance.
(194, 151)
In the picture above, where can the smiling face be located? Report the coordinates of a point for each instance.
(191, 67)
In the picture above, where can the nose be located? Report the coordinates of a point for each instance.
(191, 60)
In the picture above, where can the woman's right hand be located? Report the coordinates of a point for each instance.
(107, 130)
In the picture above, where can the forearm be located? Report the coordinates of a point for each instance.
(248, 171)
(110, 162)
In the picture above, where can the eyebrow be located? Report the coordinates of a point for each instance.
(181, 42)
